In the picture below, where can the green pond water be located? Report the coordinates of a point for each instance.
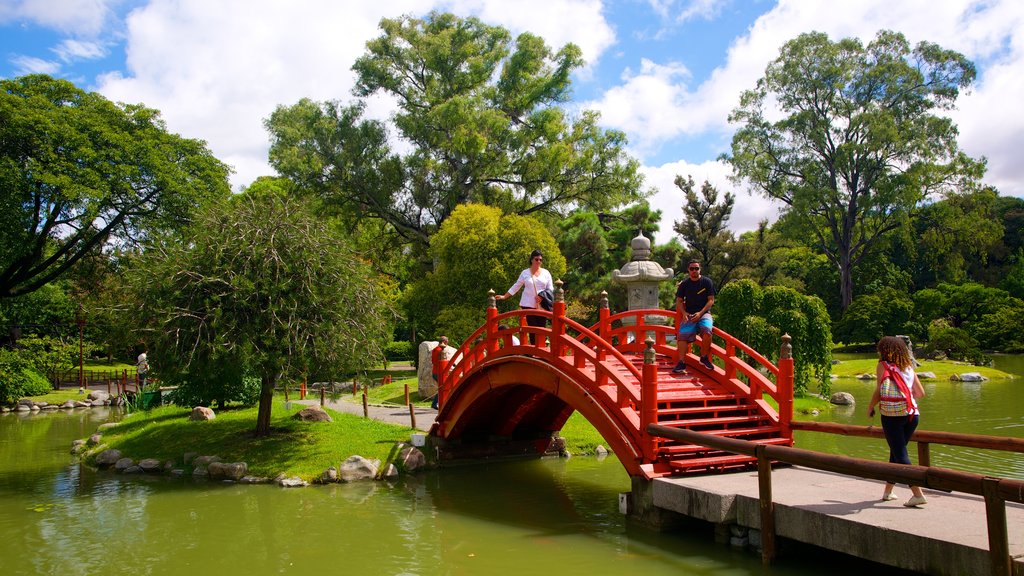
(517, 517)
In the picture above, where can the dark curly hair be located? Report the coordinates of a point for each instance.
(895, 351)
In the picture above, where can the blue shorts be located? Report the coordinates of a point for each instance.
(688, 330)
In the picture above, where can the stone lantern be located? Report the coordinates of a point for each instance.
(641, 276)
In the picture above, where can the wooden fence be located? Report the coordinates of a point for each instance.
(996, 491)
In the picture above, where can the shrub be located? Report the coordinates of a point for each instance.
(400, 350)
(954, 342)
(18, 378)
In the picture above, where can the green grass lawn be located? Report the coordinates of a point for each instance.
(943, 369)
(297, 448)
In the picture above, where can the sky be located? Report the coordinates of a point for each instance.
(665, 72)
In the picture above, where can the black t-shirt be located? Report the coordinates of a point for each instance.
(695, 293)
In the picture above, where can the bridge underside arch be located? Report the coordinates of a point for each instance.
(513, 405)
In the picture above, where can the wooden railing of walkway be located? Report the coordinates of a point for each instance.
(996, 491)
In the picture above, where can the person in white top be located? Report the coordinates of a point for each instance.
(531, 281)
(897, 389)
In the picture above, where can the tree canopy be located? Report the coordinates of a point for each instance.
(858, 145)
(264, 285)
(476, 250)
(478, 120)
(78, 172)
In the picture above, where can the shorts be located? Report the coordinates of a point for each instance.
(688, 330)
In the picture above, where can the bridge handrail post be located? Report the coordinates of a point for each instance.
(557, 320)
(602, 330)
(492, 324)
(649, 401)
(730, 358)
(785, 386)
(681, 346)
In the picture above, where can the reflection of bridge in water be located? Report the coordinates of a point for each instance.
(498, 397)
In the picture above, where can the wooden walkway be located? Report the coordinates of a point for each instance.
(946, 537)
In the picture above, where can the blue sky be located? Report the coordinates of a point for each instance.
(666, 72)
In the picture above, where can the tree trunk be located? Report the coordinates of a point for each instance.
(845, 283)
(266, 402)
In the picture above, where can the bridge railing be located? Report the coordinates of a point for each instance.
(996, 491)
(628, 330)
(566, 341)
(577, 346)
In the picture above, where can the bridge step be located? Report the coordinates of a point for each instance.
(711, 410)
(712, 463)
(680, 452)
(712, 424)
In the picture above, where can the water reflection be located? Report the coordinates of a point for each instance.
(499, 518)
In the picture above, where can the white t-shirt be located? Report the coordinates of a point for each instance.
(531, 286)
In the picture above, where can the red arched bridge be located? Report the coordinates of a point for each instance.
(500, 397)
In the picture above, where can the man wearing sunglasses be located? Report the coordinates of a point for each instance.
(694, 298)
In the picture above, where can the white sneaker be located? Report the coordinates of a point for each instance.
(915, 501)
(888, 497)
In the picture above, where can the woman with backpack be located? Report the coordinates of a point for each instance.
(897, 389)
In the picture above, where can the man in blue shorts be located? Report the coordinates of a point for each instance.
(694, 298)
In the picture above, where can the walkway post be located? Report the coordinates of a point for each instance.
(557, 320)
(785, 386)
(492, 325)
(649, 401)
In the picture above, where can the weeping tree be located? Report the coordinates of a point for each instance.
(262, 284)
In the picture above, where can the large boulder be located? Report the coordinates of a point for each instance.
(123, 464)
(150, 465)
(201, 413)
(108, 457)
(968, 377)
(410, 459)
(227, 470)
(97, 395)
(290, 482)
(313, 414)
(842, 399)
(358, 468)
(425, 371)
(204, 460)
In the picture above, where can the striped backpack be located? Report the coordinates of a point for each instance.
(895, 398)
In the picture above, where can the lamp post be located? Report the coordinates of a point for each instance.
(80, 320)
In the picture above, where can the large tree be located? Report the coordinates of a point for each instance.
(78, 172)
(703, 229)
(476, 250)
(479, 120)
(857, 145)
(261, 285)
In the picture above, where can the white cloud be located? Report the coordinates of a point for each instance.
(748, 211)
(659, 105)
(32, 65)
(559, 22)
(81, 17)
(703, 9)
(216, 70)
(73, 50)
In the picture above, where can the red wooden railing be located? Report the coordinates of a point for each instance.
(571, 345)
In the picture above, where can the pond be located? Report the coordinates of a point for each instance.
(517, 517)
(993, 408)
